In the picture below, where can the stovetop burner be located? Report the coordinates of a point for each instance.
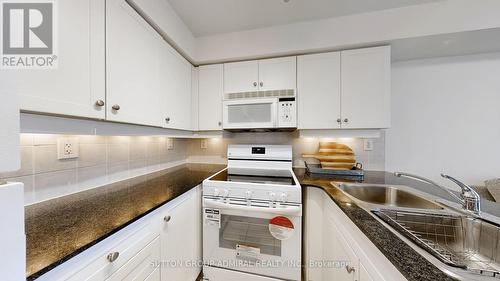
(260, 176)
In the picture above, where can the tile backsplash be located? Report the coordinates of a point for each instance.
(217, 147)
(101, 160)
(107, 159)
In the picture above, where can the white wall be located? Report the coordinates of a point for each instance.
(445, 117)
(164, 16)
(350, 31)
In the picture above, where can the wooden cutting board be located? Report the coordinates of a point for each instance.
(334, 155)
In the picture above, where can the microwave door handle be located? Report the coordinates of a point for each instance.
(288, 210)
(275, 110)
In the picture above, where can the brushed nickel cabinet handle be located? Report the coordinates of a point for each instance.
(350, 269)
(339, 120)
(346, 120)
(167, 119)
(115, 107)
(255, 84)
(99, 103)
(113, 256)
(220, 123)
(261, 84)
(167, 218)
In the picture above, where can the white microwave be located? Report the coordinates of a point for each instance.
(260, 113)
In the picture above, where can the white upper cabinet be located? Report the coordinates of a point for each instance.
(78, 82)
(134, 55)
(175, 89)
(348, 89)
(9, 129)
(366, 82)
(210, 97)
(194, 99)
(261, 75)
(278, 74)
(241, 77)
(318, 90)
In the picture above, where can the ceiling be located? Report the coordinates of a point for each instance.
(209, 17)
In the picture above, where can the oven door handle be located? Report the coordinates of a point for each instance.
(283, 210)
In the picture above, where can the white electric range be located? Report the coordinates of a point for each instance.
(252, 217)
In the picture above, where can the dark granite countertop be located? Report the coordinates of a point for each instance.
(58, 229)
(411, 264)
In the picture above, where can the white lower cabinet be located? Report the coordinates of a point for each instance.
(180, 233)
(336, 249)
(164, 245)
(341, 259)
(139, 267)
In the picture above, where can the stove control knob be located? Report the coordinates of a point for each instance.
(225, 193)
(216, 192)
(248, 194)
(272, 196)
(283, 197)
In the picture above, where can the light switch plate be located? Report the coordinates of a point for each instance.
(170, 144)
(67, 148)
(204, 144)
(368, 144)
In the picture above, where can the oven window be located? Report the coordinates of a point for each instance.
(249, 113)
(253, 232)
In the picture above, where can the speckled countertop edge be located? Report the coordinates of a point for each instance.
(409, 262)
(213, 169)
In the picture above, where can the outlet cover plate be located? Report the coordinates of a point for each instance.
(170, 143)
(67, 148)
(204, 144)
(368, 144)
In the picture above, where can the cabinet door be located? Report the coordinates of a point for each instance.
(210, 97)
(133, 55)
(337, 250)
(141, 266)
(318, 91)
(363, 273)
(79, 80)
(241, 77)
(180, 238)
(176, 89)
(195, 99)
(278, 74)
(366, 88)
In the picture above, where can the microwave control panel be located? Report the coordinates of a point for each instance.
(287, 112)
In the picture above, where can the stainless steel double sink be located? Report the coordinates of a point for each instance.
(456, 239)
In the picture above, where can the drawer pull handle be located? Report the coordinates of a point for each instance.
(113, 256)
(167, 218)
(350, 269)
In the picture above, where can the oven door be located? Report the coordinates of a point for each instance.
(250, 114)
(238, 237)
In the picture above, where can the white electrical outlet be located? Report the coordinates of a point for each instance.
(368, 144)
(204, 144)
(67, 148)
(170, 144)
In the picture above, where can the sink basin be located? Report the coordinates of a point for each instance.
(387, 196)
(456, 240)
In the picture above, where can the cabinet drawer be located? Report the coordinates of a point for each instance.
(142, 266)
(102, 268)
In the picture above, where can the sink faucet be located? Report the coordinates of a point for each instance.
(469, 198)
